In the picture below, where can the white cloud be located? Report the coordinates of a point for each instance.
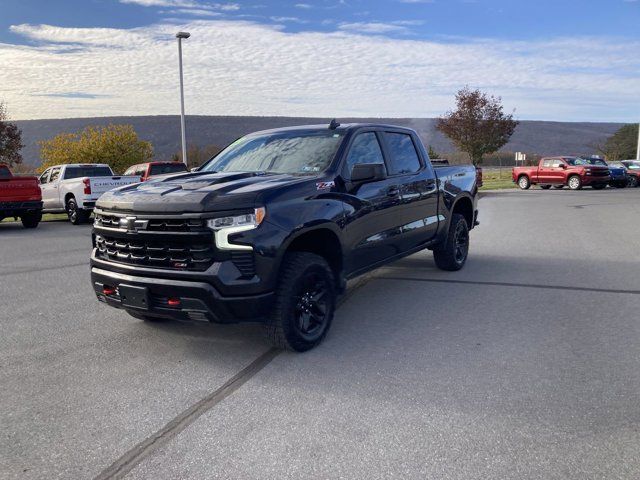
(243, 68)
(184, 4)
(287, 19)
(196, 12)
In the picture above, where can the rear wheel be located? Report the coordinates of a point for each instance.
(304, 304)
(524, 183)
(545, 187)
(452, 254)
(76, 215)
(574, 182)
(31, 219)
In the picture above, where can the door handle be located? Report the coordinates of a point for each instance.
(393, 192)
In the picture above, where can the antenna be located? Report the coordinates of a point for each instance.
(333, 125)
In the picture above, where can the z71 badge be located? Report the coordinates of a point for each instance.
(325, 185)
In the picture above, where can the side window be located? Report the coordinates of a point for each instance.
(55, 174)
(44, 178)
(547, 163)
(129, 171)
(364, 149)
(404, 158)
(556, 163)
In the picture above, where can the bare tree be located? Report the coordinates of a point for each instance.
(479, 125)
(10, 139)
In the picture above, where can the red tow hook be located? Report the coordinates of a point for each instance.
(173, 302)
(106, 290)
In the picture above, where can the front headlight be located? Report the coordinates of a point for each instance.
(224, 226)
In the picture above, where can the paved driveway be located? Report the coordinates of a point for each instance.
(526, 364)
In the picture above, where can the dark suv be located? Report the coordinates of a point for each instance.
(271, 228)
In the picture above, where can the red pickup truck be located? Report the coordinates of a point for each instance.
(575, 172)
(20, 197)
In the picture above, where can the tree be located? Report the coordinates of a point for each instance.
(116, 145)
(479, 125)
(10, 140)
(621, 145)
(432, 153)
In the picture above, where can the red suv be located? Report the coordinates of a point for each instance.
(151, 169)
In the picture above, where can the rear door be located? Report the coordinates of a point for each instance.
(545, 171)
(418, 212)
(372, 208)
(51, 189)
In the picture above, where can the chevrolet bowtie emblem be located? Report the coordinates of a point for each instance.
(132, 224)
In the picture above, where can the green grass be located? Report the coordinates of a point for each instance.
(497, 179)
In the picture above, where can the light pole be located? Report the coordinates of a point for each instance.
(180, 36)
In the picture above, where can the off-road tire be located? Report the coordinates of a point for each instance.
(524, 183)
(447, 255)
(31, 219)
(574, 182)
(77, 216)
(283, 328)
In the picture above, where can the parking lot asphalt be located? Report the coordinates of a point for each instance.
(525, 364)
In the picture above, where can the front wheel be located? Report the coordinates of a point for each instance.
(452, 254)
(524, 183)
(77, 216)
(633, 182)
(575, 183)
(31, 219)
(304, 304)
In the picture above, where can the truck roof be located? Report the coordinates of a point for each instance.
(342, 128)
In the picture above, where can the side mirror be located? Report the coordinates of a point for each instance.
(563, 166)
(367, 172)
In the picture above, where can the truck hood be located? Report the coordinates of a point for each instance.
(195, 192)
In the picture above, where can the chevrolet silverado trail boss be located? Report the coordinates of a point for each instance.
(74, 188)
(271, 229)
(20, 197)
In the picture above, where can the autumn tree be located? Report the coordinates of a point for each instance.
(10, 140)
(116, 145)
(478, 125)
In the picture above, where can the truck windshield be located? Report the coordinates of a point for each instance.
(4, 172)
(301, 153)
(595, 161)
(87, 171)
(576, 161)
(167, 168)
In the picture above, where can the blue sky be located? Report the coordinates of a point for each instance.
(553, 60)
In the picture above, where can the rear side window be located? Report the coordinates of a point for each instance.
(404, 158)
(364, 149)
(4, 172)
(167, 168)
(87, 171)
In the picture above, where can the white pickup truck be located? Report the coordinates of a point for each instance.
(74, 188)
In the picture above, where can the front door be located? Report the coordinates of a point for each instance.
(49, 188)
(372, 214)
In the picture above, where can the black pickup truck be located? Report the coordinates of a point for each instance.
(271, 229)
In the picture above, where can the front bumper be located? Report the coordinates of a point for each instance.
(597, 180)
(197, 301)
